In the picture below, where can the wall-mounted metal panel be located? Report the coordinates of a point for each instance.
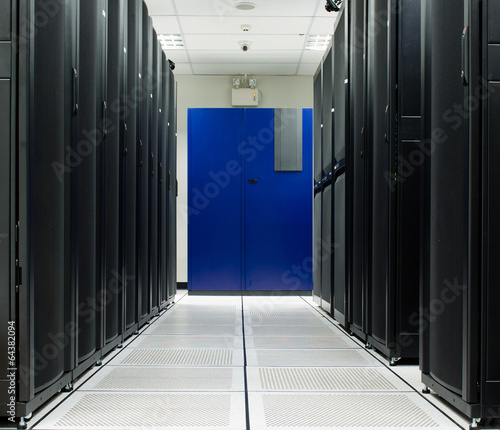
(5, 19)
(5, 60)
(288, 140)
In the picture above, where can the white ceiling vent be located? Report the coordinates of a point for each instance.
(318, 42)
(171, 41)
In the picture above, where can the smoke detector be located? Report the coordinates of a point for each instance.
(246, 27)
(245, 5)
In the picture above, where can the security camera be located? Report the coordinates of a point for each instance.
(245, 45)
(333, 5)
(171, 65)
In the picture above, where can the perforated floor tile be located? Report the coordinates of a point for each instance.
(141, 411)
(297, 342)
(274, 321)
(190, 321)
(344, 411)
(311, 357)
(296, 330)
(323, 379)
(207, 330)
(130, 378)
(179, 357)
(186, 342)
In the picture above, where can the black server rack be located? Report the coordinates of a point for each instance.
(153, 175)
(172, 187)
(357, 282)
(86, 196)
(70, 135)
(327, 163)
(163, 184)
(340, 152)
(112, 151)
(36, 90)
(461, 103)
(394, 140)
(131, 155)
(318, 178)
(144, 165)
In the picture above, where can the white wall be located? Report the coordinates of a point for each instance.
(215, 92)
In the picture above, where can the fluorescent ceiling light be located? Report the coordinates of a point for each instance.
(171, 41)
(318, 42)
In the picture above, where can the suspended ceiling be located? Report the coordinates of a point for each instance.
(211, 33)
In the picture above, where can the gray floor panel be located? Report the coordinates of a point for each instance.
(308, 379)
(298, 342)
(207, 330)
(141, 411)
(188, 342)
(130, 378)
(272, 321)
(311, 357)
(179, 357)
(204, 321)
(322, 331)
(330, 411)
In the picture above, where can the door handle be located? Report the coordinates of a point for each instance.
(252, 181)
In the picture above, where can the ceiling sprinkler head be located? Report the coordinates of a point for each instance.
(245, 5)
(246, 27)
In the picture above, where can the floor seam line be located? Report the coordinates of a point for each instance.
(245, 376)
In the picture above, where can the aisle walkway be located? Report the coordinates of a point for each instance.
(236, 363)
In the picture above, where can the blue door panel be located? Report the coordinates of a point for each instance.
(214, 201)
(277, 208)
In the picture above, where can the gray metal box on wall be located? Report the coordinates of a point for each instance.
(288, 140)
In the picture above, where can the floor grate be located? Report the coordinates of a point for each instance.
(180, 357)
(324, 379)
(192, 342)
(134, 411)
(128, 378)
(297, 342)
(342, 411)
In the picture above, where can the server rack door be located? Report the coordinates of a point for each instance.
(318, 245)
(327, 248)
(163, 183)
(7, 258)
(327, 161)
(153, 179)
(491, 34)
(147, 69)
(213, 244)
(318, 124)
(405, 137)
(111, 165)
(446, 220)
(84, 205)
(378, 73)
(276, 258)
(357, 284)
(45, 199)
(341, 132)
(134, 68)
(172, 205)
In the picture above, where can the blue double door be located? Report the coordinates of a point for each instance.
(249, 225)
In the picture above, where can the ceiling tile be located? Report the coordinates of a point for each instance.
(160, 7)
(323, 25)
(232, 25)
(183, 69)
(258, 57)
(166, 25)
(231, 42)
(177, 56)
(313, 57)
(307, 69)
(226, 8)
(238, 69)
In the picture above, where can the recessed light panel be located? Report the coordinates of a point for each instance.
(171, 41)
(318, 42)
